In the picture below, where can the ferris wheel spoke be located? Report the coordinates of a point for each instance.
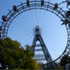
(53, 49)
(31, 18)
(39, 15)
(33, 21)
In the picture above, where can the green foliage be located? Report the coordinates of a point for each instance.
(60, 68)
(13, 56)
(65, 60)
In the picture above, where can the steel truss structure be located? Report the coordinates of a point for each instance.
(38, 4)
(39, 38)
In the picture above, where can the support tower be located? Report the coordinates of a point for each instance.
(38, 37)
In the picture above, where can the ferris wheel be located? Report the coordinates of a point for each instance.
(27, 16)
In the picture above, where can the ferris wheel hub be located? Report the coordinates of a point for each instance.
(37, 30)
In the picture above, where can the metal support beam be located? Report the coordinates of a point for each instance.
(38, 37)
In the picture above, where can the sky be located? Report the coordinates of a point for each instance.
(22, 28)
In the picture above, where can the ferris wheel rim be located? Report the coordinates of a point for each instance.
(48, 3)
(4, 24)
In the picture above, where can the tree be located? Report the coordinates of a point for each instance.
(14, 56)
(65, 60)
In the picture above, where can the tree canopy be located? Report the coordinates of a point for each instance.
(65, 60)
(14, 56)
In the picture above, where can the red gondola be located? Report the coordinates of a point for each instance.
(0, 28)
(28, 3)
(68, 14)
(42, 2)
(55, 6)
(15, 8)
(4, 18)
